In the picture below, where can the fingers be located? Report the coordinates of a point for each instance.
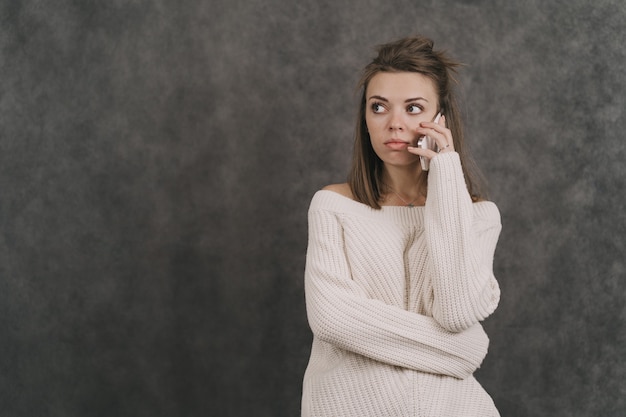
(422, 152)
(440, 133)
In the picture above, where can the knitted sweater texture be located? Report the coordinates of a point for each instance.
(395, 298)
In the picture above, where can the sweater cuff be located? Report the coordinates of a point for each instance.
(446, 178)
(446, 165)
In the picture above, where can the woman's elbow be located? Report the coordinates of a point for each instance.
(452, 320)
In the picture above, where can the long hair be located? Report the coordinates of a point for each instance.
(413, 54)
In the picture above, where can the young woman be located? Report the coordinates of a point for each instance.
(399, 263)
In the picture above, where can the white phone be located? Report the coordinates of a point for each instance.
(426, 142)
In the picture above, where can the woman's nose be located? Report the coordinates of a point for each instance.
(396, 122)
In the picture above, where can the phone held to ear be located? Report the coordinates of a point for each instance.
(426, 142)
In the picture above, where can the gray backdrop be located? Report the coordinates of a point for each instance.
(157, 161)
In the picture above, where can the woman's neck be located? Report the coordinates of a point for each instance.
(404, 186)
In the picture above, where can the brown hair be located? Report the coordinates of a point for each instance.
(413, 54)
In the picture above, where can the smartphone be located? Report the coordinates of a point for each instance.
(426, 142)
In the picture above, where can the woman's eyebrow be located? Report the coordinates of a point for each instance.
(408, 100)
(381, 98)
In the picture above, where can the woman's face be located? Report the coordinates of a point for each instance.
(396, 103)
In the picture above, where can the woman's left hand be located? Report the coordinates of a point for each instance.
(437, 131)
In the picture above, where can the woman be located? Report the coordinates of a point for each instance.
(399, 263)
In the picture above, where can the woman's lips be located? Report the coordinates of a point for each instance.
(396, 144)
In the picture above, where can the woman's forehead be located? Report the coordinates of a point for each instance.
(401, 85)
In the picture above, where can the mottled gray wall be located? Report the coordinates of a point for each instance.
(156, 164)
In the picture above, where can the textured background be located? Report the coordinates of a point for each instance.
(157, 159)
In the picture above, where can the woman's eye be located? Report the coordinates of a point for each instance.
(378, 108)
(414, 109)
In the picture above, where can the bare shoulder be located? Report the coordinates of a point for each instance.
(343, 189)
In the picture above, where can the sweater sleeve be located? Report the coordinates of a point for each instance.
(340, 313)
(461, 239)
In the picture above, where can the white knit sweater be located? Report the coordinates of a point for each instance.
(394, 299)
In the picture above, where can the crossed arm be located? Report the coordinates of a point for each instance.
(340, 313)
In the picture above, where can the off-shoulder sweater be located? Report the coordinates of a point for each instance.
(394, 299)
